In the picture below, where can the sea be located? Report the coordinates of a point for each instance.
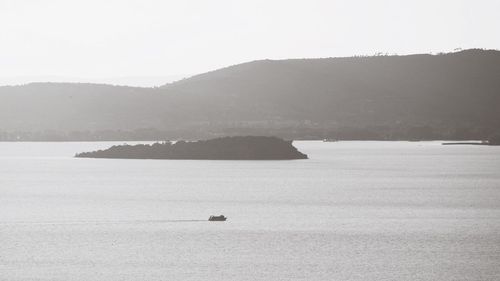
(353, 211)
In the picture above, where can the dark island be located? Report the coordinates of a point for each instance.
(226, 148)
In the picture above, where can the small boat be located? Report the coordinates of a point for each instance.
(217, 218)
(330, 140)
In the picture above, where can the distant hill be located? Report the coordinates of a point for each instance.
(455, 95)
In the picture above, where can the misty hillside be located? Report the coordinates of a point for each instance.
(457, 91)
(75, 106)
(418, 89)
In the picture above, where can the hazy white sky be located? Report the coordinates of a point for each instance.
(100, 39)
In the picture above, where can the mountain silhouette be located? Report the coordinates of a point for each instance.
(413, 96)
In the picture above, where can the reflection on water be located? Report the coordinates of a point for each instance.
(354, 211)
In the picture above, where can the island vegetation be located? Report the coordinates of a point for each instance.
(226, 148)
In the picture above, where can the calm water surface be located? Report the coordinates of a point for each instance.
(354, 211)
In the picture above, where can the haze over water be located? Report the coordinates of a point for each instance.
(353, 211)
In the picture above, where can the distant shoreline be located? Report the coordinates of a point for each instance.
(445, 142)
(469, 143)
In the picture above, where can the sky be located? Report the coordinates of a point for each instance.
(151, 41)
